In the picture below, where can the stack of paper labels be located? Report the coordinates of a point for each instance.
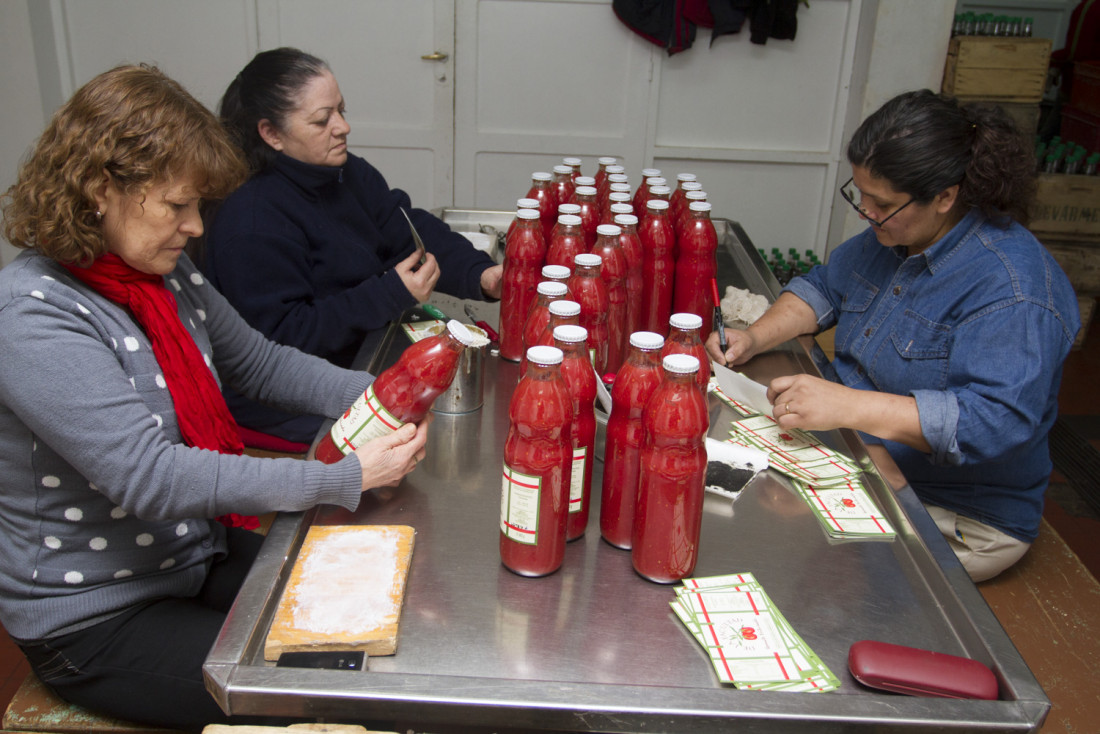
(828, 481)
(750, 643)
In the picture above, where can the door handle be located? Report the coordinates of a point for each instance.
(435, 56)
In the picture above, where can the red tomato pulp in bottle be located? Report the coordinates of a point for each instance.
(631, 246)
(585, 198)
(542, 191)
(684, 338)
(696, 266)
(524, 252)
(658, 267)
(580, 378)
(567, 241)
(613, 272)
(562, 312)
(669, 509)
(402, 394)
(547, 293)
(634, 384)
(590, 291)
(563, 183)
(538, 456)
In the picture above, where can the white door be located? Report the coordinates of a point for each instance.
(394, 60)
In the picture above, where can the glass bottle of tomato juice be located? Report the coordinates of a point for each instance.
(402, 394)
(669, 510)
(562, 312)
(524, 253)
(631, 245)
(542, 190)
(567, 241)
(538, 456)
(613, 272)
(590, 291)
(634, 384)
(547, 292)
(580, 378)
(658, 267)
(696, 266)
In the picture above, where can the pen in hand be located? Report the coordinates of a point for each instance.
(719, 325)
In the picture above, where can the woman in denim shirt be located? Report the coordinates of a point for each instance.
(950, 317)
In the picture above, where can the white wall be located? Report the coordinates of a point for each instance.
(21, 116)
(900, 45)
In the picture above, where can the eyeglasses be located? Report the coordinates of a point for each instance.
(849, 192)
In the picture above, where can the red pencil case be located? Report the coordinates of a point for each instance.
(917, 672)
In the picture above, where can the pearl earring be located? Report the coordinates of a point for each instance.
(98, 215)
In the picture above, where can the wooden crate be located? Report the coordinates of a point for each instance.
(1008, 69)
(1066, 208)
(1080, 261)
(1024, 114)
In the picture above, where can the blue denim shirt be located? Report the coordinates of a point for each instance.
(976, 328)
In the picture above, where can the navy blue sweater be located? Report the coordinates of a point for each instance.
(306, 253)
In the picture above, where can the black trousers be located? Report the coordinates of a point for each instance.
(145, 665)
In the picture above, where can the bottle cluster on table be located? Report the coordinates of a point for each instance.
(990, 24)
(603, 281)
(788, 266)
(664, 262)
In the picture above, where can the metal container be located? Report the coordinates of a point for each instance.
(467, 391)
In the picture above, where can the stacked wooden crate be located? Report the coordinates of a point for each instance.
(1010, 72)
(1066, 219)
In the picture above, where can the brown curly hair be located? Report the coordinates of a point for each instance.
(133, 123)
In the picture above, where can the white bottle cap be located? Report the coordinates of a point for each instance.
(552, 288)
(606, 160)
(691, 186)
(700, 206)
(610, 230)
(647, 172)
(619, 187)
(681, 364)
(586, 190)
(615, 170)
(620, 198)
(571, 161)
(563, 169)
(585, 181)
(685, 321)
(652, 181)
(528, 214)
(618, 178)
(695, 195)
(659, 191)
(546, 355)
(565, 308)
(556, 272)
(568, 208)
(657, 204)
(622, 208)
(626, 220)
(541, 176)
(526, 203)
(569, 220)
(646, 340)
(570, 333)
(459, 331)
(588, 260)
(683, 177)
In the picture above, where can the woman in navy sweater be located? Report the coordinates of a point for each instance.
(313, 250)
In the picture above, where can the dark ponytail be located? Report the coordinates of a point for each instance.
(923, 143)
(266, 89)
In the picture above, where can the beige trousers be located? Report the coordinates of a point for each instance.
(984, 551)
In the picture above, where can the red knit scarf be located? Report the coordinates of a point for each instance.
(203, 416)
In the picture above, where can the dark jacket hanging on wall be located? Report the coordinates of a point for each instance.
(671, 24)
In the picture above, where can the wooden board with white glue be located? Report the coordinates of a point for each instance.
(345, 591)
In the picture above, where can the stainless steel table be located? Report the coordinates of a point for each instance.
(594, 647)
